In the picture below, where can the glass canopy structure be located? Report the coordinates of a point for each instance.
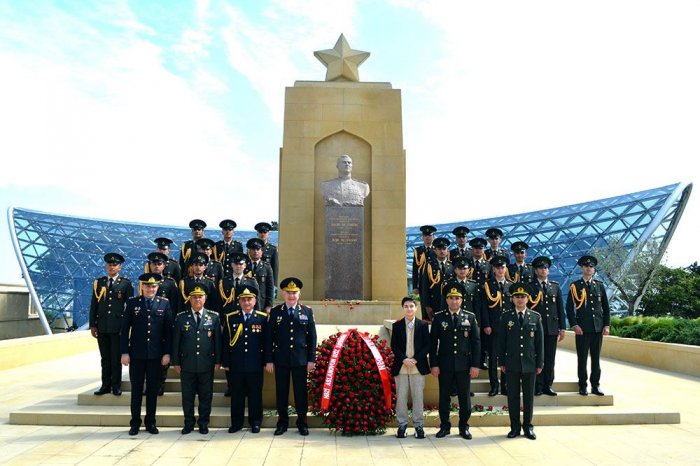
(60, 256)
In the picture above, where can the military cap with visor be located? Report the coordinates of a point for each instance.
(428, 230)
(163, 243)
(519, 246)
(157, 257)
(200, 258)
(227, 224)
(461, 231)
(494, 233)
(441, 242)
(588, 260)
(151, 278)
(542, 261)
(205, 243)
(255, 243)
(478, 243)
(520, 289)
(453, 289)
(291, 284)
(463, 262)
(114, 258)
(498, 260)
(238, 258)
(247, 291)
(263, 227)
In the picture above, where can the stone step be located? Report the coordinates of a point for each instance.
(172, 384)
(219, 400)
(64, 410)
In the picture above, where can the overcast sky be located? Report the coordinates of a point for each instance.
(161, 112)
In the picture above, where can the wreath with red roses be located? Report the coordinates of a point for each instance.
(351, 387)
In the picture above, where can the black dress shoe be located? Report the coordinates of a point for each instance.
(280, 430)
(538, 392)
(549, 392)
(530, 433)
(483, 366)
(583, 392)
(504, 392)
(227, 392)
(493, 392)
(117, 390)
(161, 391)
(204, 430)
(442, 432)
(597, 391)
(186, 430)
(513, 433)
(152, 430)
(464, 433)
(471, 393)
(134, 430)
(233, 430)
(102, 390)
(303, 429)
(401, 432)
(255, 430)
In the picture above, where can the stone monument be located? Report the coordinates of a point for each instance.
(324, 121)
(345, 224)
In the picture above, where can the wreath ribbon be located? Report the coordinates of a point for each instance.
(333, 364)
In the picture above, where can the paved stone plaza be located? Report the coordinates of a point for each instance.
(633, 387)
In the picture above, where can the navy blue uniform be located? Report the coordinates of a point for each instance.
(146, 336)
(290, 344)
(244, 357)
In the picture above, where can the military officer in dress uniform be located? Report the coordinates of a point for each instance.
(482, 267)
(494, 236)
(261, 272)
(496, 300)
(227, 246)
(461, 250)
(547, 301)
(269, 250)
(214, 269)
(589, 316)
(146, 345)
(438, 272)
(471, 297)
(421, 256)
(168, 289)
(521, 356)
(244, 359)
(454, 355)
(196, 355)
(187, 284)
(290, 349)
(229, 299)
(520, 271)
(172, 268)
(189, 247)
(106, 310)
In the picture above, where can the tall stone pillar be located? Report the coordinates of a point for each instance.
(323, 121)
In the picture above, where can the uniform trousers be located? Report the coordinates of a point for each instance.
(140, 369)
(246, 385)
(589, 342)
(301, 402)
(110, 358)
(202, 385)
(484, 347)
(545, 379)
(446, 380)
(494, 370)
(515, 380)
(416, 384)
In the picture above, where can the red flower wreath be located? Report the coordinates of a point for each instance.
(363, 396)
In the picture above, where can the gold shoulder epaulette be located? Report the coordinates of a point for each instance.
(233, 313)
(212, 312)
(264, 314)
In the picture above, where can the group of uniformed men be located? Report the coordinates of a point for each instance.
(215, 294)
(491, 288)
(201, 315)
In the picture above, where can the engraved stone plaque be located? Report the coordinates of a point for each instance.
(345, 252)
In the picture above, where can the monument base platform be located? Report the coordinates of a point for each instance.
(354, 312)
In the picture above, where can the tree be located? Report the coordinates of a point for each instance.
(630, 275)
(675, 292)
(275, 226)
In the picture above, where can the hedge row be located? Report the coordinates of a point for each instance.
(664, 329)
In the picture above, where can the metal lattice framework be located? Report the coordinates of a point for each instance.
(60, 256)
(566, 233)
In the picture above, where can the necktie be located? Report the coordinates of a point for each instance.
(290, 310)
(246, 316)
(455, 319)
(520, 318)
(588, 287)
(520, 270)
(111, 282)
(149, 303)
(255, 267)
(500, 286)
(544, 287)
(198, 319)
(238, 280)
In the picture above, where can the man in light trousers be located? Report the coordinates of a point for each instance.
(410, 342)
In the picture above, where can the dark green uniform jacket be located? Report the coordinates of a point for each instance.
(521, 349)
(107, 307)
(197, 349)
(588, 310)
(454, 349)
